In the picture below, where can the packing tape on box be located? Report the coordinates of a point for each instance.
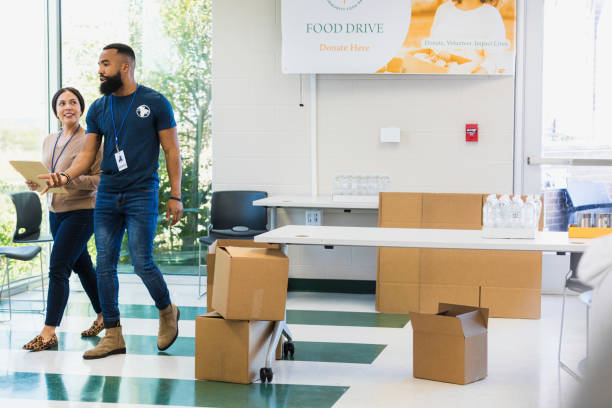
(257, 304)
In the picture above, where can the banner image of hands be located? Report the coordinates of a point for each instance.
(464, 37)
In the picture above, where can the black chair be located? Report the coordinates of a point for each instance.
(27, 231)
(29, 219)
(233, 216)
(21, 253)
(586, 293)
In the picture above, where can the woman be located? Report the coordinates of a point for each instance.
(70, 219)
(474, 21)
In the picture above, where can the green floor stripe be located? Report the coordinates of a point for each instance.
(357, 353)
(312, 317)
(360, 319)
(131, 311)
(135, 344)
(160, 391)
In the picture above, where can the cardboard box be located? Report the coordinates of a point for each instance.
(514, 303)
(512, 269)
(400, 210)
(450, 346)
(453, 276)
(399, 265)
(397, 289)
(210, 261)
(452, 267)
(452, 211)
(432, 295)
(230, 350)
(209, 295)
(397, 297)
(250, 283)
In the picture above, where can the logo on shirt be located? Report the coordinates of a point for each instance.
(143, 111)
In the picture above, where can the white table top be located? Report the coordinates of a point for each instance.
(306, 201)
(417, 238)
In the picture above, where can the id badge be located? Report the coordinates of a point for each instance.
(120, 159)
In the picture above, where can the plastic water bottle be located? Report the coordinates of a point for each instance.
(516, 209)
(504, 212)
(489, 212)
(538, 210)
(529, 213)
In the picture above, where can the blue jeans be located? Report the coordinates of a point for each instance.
(71, 230)
(136, 212)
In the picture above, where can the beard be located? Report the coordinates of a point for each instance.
(111, 84)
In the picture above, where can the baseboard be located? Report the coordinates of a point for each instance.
(332, 285)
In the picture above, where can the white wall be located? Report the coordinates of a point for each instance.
(261, 135)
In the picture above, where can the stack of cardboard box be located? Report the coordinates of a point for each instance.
(508, 283)
(246, 294)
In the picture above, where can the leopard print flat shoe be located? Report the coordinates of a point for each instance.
(39, 344)
(94, 330)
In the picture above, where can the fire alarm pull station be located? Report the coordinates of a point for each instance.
(471, 132)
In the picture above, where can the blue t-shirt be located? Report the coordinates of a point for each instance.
(138, 139)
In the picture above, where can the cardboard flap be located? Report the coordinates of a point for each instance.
(450, 309)
(472, 323)
(259, 253)
(212, 315)
(247, 243)
(484, 313)
(430, 323)
(475, 320)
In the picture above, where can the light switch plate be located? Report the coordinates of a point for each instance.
(390, 135)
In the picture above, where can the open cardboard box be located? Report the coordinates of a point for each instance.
(450, 346)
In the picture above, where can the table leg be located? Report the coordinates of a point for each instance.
(273, 217)
(280, 329)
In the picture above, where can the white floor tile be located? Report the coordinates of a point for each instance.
(522, 369)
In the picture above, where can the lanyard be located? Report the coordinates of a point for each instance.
(53, 161)
(124, 117)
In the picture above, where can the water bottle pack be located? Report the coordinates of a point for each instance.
(511, 217)
(359, 187)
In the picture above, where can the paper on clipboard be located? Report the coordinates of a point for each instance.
(30, 171)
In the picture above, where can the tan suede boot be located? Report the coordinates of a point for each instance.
(168, 326)
(111, 343)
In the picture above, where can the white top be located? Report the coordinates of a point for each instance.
(482, 23)
(306, 201)
(417, 238)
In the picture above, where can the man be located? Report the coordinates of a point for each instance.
(133, 120)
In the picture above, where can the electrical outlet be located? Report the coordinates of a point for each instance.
(313, 217)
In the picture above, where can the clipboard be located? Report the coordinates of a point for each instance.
(30, 171)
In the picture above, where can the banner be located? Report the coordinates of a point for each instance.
(399, 36)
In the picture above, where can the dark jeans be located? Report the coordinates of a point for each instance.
(71, 230)
(136, 212)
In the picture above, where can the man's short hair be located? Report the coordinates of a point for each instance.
(122, 49)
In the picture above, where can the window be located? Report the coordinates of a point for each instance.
(172, 40)
(24, 106)
(577, 103)
(577, 85)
